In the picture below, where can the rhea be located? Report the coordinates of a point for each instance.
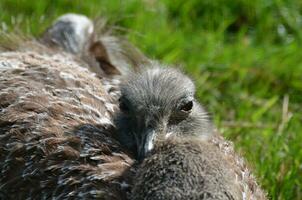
(158, 103)
(170, 132)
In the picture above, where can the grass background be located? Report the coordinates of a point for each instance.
(245, 57)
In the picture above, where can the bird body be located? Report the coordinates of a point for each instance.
(193, 168)
(186, 168)
(56, 122)
(56, 131)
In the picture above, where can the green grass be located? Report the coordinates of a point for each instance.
(245, 57)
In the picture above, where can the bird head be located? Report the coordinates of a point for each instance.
(156, 104)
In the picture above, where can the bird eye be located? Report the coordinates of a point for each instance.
(187, 106)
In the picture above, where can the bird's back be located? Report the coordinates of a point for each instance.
(56, 130)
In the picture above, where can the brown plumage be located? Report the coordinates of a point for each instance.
(56, 129)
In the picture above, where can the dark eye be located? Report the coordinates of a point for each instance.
(187, 106)
(123, 106)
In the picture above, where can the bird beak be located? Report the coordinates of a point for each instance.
(146, 144)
